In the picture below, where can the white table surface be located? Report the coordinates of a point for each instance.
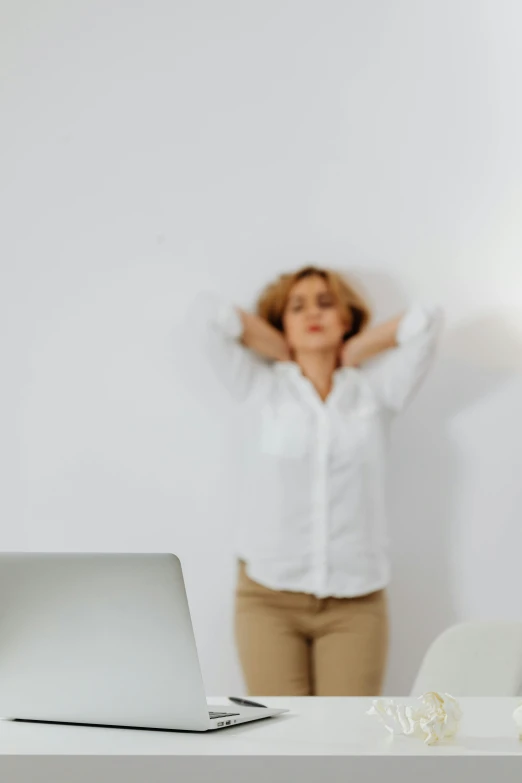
(322, 728)
(314, 726)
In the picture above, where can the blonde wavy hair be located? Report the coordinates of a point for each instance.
(271, 304)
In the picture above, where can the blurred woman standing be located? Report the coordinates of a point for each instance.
(322, 387)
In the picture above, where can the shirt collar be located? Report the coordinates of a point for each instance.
(292, 370)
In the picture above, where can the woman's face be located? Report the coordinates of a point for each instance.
(313, 320)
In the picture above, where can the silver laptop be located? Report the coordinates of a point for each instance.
(103, 639)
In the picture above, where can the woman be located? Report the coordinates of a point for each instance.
(321, 389)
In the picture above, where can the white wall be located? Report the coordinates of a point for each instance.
(151, 149)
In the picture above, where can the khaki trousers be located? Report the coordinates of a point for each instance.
(294, 644)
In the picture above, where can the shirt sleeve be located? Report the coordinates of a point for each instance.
(397, 374)
(217, 327)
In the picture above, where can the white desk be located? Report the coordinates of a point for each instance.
(330, 739)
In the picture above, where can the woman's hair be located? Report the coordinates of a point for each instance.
(272, 302)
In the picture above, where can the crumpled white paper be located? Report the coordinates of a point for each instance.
(436, 720)
(517, 715)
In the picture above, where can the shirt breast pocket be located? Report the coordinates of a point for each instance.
(285, 432)
(355, 430)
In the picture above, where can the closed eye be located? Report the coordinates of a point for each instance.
(325, 301)
(296, 305)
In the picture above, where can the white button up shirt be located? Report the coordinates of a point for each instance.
(315, 471)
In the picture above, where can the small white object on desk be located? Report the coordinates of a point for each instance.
(436, 720)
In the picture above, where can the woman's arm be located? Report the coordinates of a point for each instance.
(234, 343)
(263, 338)
(369, 343)
(402, 349)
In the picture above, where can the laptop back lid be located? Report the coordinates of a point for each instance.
(98, 638)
